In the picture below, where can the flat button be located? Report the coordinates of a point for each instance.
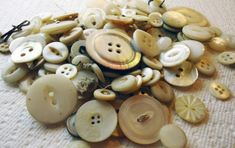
(55, 52)
(226, 58)
(71, 36)
(27, 52)
(104, 95)
(66, 17)
(205, 67)
(124, 83)
(95, 121)
(51, 67)
(51, 99)
(218, 44)
(70, 125)
(152, 63)
(128, 12)
(155, 78)
(59, 27)
(141, 118)
(147, 74)
(67, 70)
(174, 19)
(4, 47)
(183, 75)
(219, 91)
(155, 19)
(88, 32)
(112, 49)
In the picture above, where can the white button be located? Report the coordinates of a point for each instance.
(155, 19)
(26, 82)
(156, 76)
(55, 52)
(226, 58)
(147, 74)
(67, 70)
(128, 12)
(77, 48)
(164, 43)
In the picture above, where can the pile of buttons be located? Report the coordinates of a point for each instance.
(109, 72)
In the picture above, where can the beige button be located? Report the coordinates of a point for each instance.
(51, 67)
(155, 19)
(128, 12)
(120, 20)
(192, 16)
(112, 9)
(71, 36)
(112, 49)
(27, 52)
(81, 60)
(26, 82)
(67, 70)
(51, 99)
(219, 91)
(154, 6)
(70, 125)
(197, 33)
(77, 48)
(183, 75)
(96, 69)
(36, 24)
(156, 33)
(163, 92)
(95, 121)
(147, 75)
(104, 95)
(173, 136)
(55, 52)
(206, 67)
(146, 43)
(175, 56)
(141, 118)
(88, 32)
(78, 144)
(215, 31)
(124, 83)
(152, 63)
(59, 27)
(66, 17)
(164, 43)
(190, 109)
(174, 19)
(156, 77)
(226, 58)
(218, 44)
(171, 29)
(140, 18)
(4, 47)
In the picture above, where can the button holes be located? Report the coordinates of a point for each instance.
(65, 68)
(22, 54)
(62, 72)
(92, 122)
(221, 92)
(110, 44)
(92, 117)
(70, 69)
(218, 86)
(118, 51)
(159, 35)
(30, 49)
(216, 89)
(193, 109)
(110, 50)
(177, 75)
(118, 45)
(230, 58)
(98, 116)
(203, 63)
(228, 55)
(94, 23)
(180, 69)
(67, 74)
(202, 66)
(98, 121)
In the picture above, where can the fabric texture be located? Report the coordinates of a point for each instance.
(19, 129)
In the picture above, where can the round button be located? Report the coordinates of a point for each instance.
(206, 67)
(55, 52)
(88, 32)
(152, 63)
(141, 117)
(183, 75)
(27, 52)
(104, 95)
(81, 60)
(219, 91)
(112, 49)
(70, 125)
(67, 70)
(156, 76)
(96, 69)
(171, 29)
(164, 43)
(175, 56)
(147, 75)
(51, 99)
(155, 6)
(71, 36)
(4, 47)
(66, 17)
(155, 19)
(218, 44)
(226, 58)
(124, 84)
(95, 121)
(174, 19)
(59, 27)
(140, 18)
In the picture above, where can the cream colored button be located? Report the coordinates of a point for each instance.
(147, 74)
(67, 70)
(51, 67)
(140, 18)
(190, 108)
(36, 22)
(136, 72)
(206, 67)
(175, 56)
(219, 91)
(155, 19)
(42, 72)
(26, 82)
(128, 12)
(152, 63)
(172, 136)
(163, 92)
(141, 118)
(12, 73)
(77, 48)
(59, 27)
(171, 29)
(120, 20)
(80, 60)
(51, 99)
(55, 52)
(192, 16)
(78, 144)
(215, 31)
(156, 76)
(4, 47)
(95, 121)
(104, 95)
(197, 50)
(71, 36)
(197, 33)
(66, 17)
(45, 16)
(174, 19)
(96, 69)
(112, 9)
(124, 83)
(70, 125)
(218, 44)
(155, 6)
(27, 52)
(231, 43)
(88, 32)
(183, 75)
(164, 43)
(226, 58)
(146, 43)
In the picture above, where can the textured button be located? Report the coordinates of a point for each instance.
(155, 19)
(164, 43)
(95, 121)
(55, 94)
(4, 47)
(173, 136)
(141, 118)
(120, 20)
(218, 44)
(152, 63)
(174, 19)
(145, 43)
(124, 83)
(219, 91)
(104, 95)
(175, 56)
(205, 67)
(70, 125)
(156, 76)
(67, 70)
(226, 58)
(55, 52)
(71, 36)
(78, 144)
(147, 74)
(27, 52)
(112, 49)
(59, 27)
(183, 75)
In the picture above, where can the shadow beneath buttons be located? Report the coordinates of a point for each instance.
(197, 86)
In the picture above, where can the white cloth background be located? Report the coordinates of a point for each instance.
(19, 129)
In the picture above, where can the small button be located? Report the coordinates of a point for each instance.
(146, 74)
(51, 67)
(218, 44)
(155, 78)
(128, 12)
(152, 63)
(88, 32)
(124, 83)
(96, 69)
(66, 17)
(206, 67)
(226, 58)
(104, 95)
(4, 47)
(26, 82)
(77, 48)
(67, 70)
(219, 91)
(71, 36)
(155, 19)
(174, 19)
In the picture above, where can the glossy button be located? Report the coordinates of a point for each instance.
(55, 94)
(155, 19)
(205, 67)
(141, 118)
(183, 75)
(67, 70)
(104, 95)
(156, 76)
(164, 43)
(128, 12)
(59, 27)
(124, 83)
(147, 74)
(66, 17)
(152, 63)
(72, 36)
(88, 32)
(95, 121)
(174, 19)
(218, 44)
(219, 91)
(226, 58)
(112, 49)
(96, 69)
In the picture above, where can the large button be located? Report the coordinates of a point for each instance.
(174, 19)
(141, 118)
(219, 91)
(59, 27)
(226, 58)
(112, 49)
(51, 99)
(95, 121)
(183, 75)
